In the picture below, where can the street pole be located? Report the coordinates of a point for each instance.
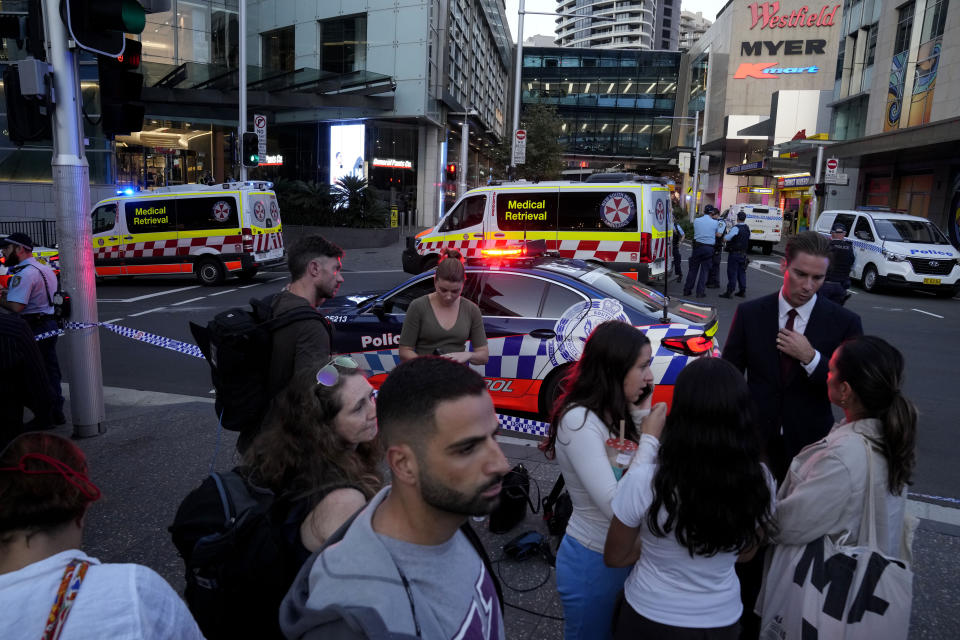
(242, 89)
(71, 196)
(464, 155)
(814, 203)
(516, 87)
(696, 165)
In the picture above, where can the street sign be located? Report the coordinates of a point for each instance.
(260, 128)
(839, 178)
(832, 166)
(520, 147)
(394, 215)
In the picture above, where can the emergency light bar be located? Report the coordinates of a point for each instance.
(530, 249)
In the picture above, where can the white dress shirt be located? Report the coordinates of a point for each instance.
(799, 325)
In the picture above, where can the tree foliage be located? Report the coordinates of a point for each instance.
(544, 151)
(352, 202)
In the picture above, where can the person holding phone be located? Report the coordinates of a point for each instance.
(440, 323)
(699, 501)
(611, 385)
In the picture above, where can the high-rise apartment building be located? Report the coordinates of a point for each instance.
(692, 26)
(618, 24)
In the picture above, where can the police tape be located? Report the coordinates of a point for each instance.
(510, 423)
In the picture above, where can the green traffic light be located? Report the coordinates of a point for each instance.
(133, 16)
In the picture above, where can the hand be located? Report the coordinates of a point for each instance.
(795, 345)
(463, 357)
(653, 423)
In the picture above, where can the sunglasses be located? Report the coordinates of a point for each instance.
(329, 375)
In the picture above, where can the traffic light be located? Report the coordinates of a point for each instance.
(120, 86)
(250, 153)
(819, 189)
(451, 172)
(99, 25)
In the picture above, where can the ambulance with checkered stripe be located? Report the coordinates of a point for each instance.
(210, 231)
(537, 313)
(623, 225)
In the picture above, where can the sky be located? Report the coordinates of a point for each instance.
(535, 24)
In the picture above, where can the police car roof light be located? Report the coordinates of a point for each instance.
(696, 345)
(528, 249)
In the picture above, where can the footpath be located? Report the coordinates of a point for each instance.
(157, 447)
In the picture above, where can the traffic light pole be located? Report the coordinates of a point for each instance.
(242, 88)
(71, 187)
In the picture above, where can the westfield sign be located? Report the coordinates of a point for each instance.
(767, 15)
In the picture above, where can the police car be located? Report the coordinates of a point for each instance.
(537, 312)
(897, 250)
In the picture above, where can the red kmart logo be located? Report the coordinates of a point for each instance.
(768, 70)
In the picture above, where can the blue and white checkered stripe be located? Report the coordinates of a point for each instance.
(185, 348)
(524, 425)
(520, 356)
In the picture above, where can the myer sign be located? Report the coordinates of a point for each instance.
(767, 16)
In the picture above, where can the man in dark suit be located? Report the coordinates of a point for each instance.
(783, 342)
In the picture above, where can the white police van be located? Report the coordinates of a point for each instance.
(897, 250)
(765, 223)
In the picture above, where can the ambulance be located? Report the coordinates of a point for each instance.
(622, 225)
(765, 223)
(210, 231)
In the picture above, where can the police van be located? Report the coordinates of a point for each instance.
(623, 225)
(209, 231)
(765, 223)
(897, 250)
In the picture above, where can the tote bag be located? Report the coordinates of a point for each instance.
(829, 590)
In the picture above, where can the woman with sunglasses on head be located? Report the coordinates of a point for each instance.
(870, 453)
(611, 385)
(683, 517)
(440, 323)
(50, 588)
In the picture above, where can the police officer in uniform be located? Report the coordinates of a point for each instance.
(837, 281)
(738, 240)
(706, 229)
(713, 279)
(31, 289)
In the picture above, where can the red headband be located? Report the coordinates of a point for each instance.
(77, 479)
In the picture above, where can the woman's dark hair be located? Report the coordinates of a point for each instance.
(709, 480)
(450, 267)
(298, 453)
(874, 370)
(595, 382)
(43, 484)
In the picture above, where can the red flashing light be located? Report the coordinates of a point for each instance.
(584, 164)
(510, 251)
(645, 242)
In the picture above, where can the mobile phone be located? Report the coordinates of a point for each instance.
(646, 393)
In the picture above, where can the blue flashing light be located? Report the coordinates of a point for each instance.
(127, 191)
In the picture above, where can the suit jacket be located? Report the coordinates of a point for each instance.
(799, 403)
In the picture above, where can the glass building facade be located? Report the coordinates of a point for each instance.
(611, 103)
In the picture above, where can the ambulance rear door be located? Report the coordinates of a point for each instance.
(262, 212)
(108, 233)
(523, 213)
(656, 218)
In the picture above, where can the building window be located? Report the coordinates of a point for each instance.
(913, 194)
(278, 49)
(934, 18)
(224, 38)
(871, 44)
(904, 27)
(343, 44)
(668, 12)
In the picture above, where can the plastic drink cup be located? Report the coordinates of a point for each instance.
(620, 452)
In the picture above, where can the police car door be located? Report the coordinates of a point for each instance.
(866, 248)
(108, 236)
(524, 213)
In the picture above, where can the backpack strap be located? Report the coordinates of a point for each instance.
(551, 499)
(263, 308)
(475, 541)
(67, 592)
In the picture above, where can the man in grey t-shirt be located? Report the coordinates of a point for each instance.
(408, 567)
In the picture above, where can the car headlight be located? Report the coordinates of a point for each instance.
(893, 257)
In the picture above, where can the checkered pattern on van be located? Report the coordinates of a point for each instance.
(171, 247)
(267, 241)
(606, 250)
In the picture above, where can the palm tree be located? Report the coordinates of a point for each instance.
(356, 203)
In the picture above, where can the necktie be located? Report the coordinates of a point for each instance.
(786, 361)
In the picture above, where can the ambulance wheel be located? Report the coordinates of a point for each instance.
(247, 274)
(429, 262)
(767, 248)
(870, 281)
(209, 272)
(550, 391)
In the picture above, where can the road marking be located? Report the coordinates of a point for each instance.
(247, 286)
(177, 304)
(275, 279)
(110, 300)
(143, 313)
(381, 271)
(927, 313)
(220, 293)
(112, 321)
(154, 295)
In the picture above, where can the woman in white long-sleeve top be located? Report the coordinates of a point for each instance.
(824, 491)
(611, 382)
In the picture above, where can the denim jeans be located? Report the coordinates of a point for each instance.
(588, 591)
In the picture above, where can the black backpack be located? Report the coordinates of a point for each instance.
(236, 561)
(237, 344)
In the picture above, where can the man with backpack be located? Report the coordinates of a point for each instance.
(408, 565)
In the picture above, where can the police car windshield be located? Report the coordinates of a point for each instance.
(618, 286)
(919, 231)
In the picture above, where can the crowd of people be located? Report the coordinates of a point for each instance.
(674, 512)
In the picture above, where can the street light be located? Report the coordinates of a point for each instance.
(519, 65)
